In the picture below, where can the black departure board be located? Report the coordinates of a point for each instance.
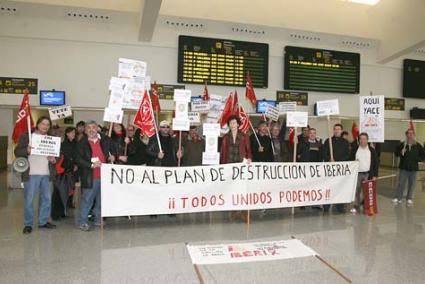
(9, 85)
(308, 69)
(413, 79)
(222, 62)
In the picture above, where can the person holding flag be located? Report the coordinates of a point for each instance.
(249, 91)
(169, 153)
(261, 144)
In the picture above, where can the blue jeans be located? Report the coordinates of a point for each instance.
(36, 184)
(88, 197)
(408, 177)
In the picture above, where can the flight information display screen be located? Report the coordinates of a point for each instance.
(222, 62)
(320, 70)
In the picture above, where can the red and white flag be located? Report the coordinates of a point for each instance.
(206, 96)
(21, 125)
(156, 106)
(291, 136)
(243, 116)
(250, 93)
(227, 111)
(144, 118)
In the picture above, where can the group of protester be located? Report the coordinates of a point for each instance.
(87, 146)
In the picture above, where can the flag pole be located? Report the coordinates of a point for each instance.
(271, 139)
(253, 130)
(154, 123)
(126, 145)
(29, 129)
(331, 154)
(180, 147)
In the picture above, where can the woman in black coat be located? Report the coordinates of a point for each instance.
(119, 141)
(66, 170)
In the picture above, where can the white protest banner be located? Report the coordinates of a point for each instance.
(272, 113)
(248, 252)
(201, 106)
(330, 107)
(133, 92)
(194, 117)
(211, 129)
(181, 124)
(296, 119)
(130, 68)
(211, 158)
(116, 82)
(113, 115)
(211, 144)
(284, 107)
(213, 117)
(45, 145)
(60, 112)
(372, 122)
(181, 110)
(140, 190)
(216, 103)
(182, 95)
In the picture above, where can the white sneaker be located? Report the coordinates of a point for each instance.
(396, 201)
(353, 211)
(409, 202)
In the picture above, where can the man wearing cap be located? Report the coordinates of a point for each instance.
(170, 150)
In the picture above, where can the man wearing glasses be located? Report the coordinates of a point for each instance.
(170, 150)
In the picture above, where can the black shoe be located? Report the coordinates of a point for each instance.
(48, 226)
(27, 230)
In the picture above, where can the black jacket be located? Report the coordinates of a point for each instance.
(373, 170)
(341, 149)
(153, 150)
(267, 154)
(409, 161)
(137, 151)
(83, 155)
(118, 147)
(68, 151)
(303, 152)
(21, 151)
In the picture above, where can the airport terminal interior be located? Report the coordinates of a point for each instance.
(280, 77)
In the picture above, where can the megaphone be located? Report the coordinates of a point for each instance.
(20, 164)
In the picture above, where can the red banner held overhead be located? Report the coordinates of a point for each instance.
(144, 118)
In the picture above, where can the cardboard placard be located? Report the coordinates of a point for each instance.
(45, 145)
(200, 106)
(211, 129)
(296, 119)
(285, 107)
(194, 117)
(210, 158)
(272, 113)
(129, 68)
(60, 112)
(329, 107)
(181, 95)
(113, 115)
(181, 124)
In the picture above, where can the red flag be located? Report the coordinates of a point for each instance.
(206, 96)
(412, 126)
(243, 116)
(227, 112)
(249, 93)
(291, 136)
(21, 125)
(155, 98)
(355, 130)
(144, 118)
(235, 106)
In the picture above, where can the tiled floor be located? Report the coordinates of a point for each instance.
(387, 248)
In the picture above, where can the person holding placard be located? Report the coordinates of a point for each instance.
(262, 150)
(37, 179)
(304, 134)
(170, 149)
(92, 151)
(368, 165)
(410, 153)
(341, 152)
(278, 140)
(193, 147)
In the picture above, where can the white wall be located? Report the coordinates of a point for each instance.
(80, 61)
